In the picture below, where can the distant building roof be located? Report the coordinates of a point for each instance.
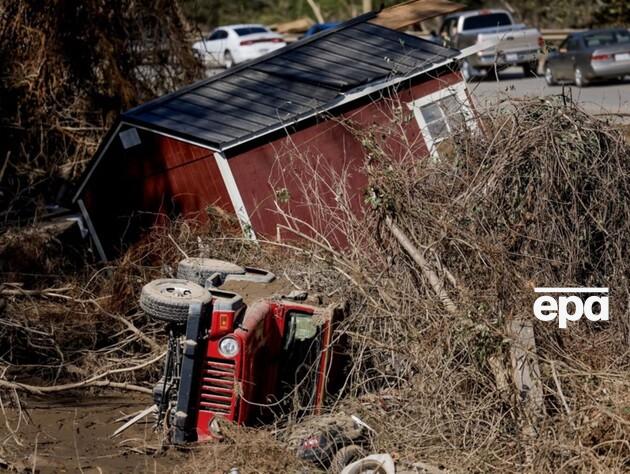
(286, 86)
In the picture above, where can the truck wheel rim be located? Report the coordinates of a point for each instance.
(177, 291)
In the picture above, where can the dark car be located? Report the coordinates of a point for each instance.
(317, 27)
(589, 56)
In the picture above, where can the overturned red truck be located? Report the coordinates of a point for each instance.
(226, 360)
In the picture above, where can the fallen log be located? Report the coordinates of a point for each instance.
(427, 271)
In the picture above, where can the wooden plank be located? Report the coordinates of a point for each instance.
(526, 377)
(296, 26)
(403, 15)
(525, 368)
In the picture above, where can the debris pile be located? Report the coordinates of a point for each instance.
(437, 275)
(441, 276)
(68, 71)
(533, 198)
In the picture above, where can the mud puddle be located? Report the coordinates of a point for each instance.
(69, 433)
(73, 434)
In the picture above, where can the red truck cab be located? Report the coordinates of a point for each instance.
(247, 360)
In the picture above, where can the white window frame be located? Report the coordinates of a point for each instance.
(460, 92)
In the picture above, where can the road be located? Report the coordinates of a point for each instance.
(612, 98)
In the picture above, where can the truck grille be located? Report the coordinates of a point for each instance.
(217, 386)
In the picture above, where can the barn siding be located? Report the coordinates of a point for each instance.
(135, 188)
(330, 149)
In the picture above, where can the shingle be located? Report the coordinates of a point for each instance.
(288, 84)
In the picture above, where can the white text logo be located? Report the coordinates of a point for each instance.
(573, 307)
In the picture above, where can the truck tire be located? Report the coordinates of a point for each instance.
(168, 299)
(346, 455)
(199, 269)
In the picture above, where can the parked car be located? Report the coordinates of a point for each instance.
(513, 44)
(317, 27)
(589, 56)
(233, 44)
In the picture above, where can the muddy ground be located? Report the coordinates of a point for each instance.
(72, 432)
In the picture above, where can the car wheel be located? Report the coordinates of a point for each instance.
(579, 79)
(228, 60)
(549, 79)
(169, 299)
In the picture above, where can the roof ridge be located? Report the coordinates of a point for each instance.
(248, 64)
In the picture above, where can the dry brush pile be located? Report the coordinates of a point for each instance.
(68, 68)
(538, 195)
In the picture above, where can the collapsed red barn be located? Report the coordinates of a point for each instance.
(226, 141)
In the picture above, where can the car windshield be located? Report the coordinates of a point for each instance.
(486, 21)
(250, 30)
(606, 38)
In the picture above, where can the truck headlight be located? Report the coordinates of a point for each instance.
(229, 346)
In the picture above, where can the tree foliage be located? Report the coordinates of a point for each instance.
(556, 14)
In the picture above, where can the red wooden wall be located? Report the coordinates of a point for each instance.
(290, 166)
(135, 188)
(132, 188)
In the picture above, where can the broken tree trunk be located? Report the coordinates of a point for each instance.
(427, 271)
(526, 376)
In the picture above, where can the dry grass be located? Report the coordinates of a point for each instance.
(539, 197)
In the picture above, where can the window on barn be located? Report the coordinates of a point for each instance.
(442, 113)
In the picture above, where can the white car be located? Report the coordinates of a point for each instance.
(233, 44)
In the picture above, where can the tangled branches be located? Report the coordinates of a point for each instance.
(68, 69)
(534, 196)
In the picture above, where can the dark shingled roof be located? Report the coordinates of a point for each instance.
(289, 84)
